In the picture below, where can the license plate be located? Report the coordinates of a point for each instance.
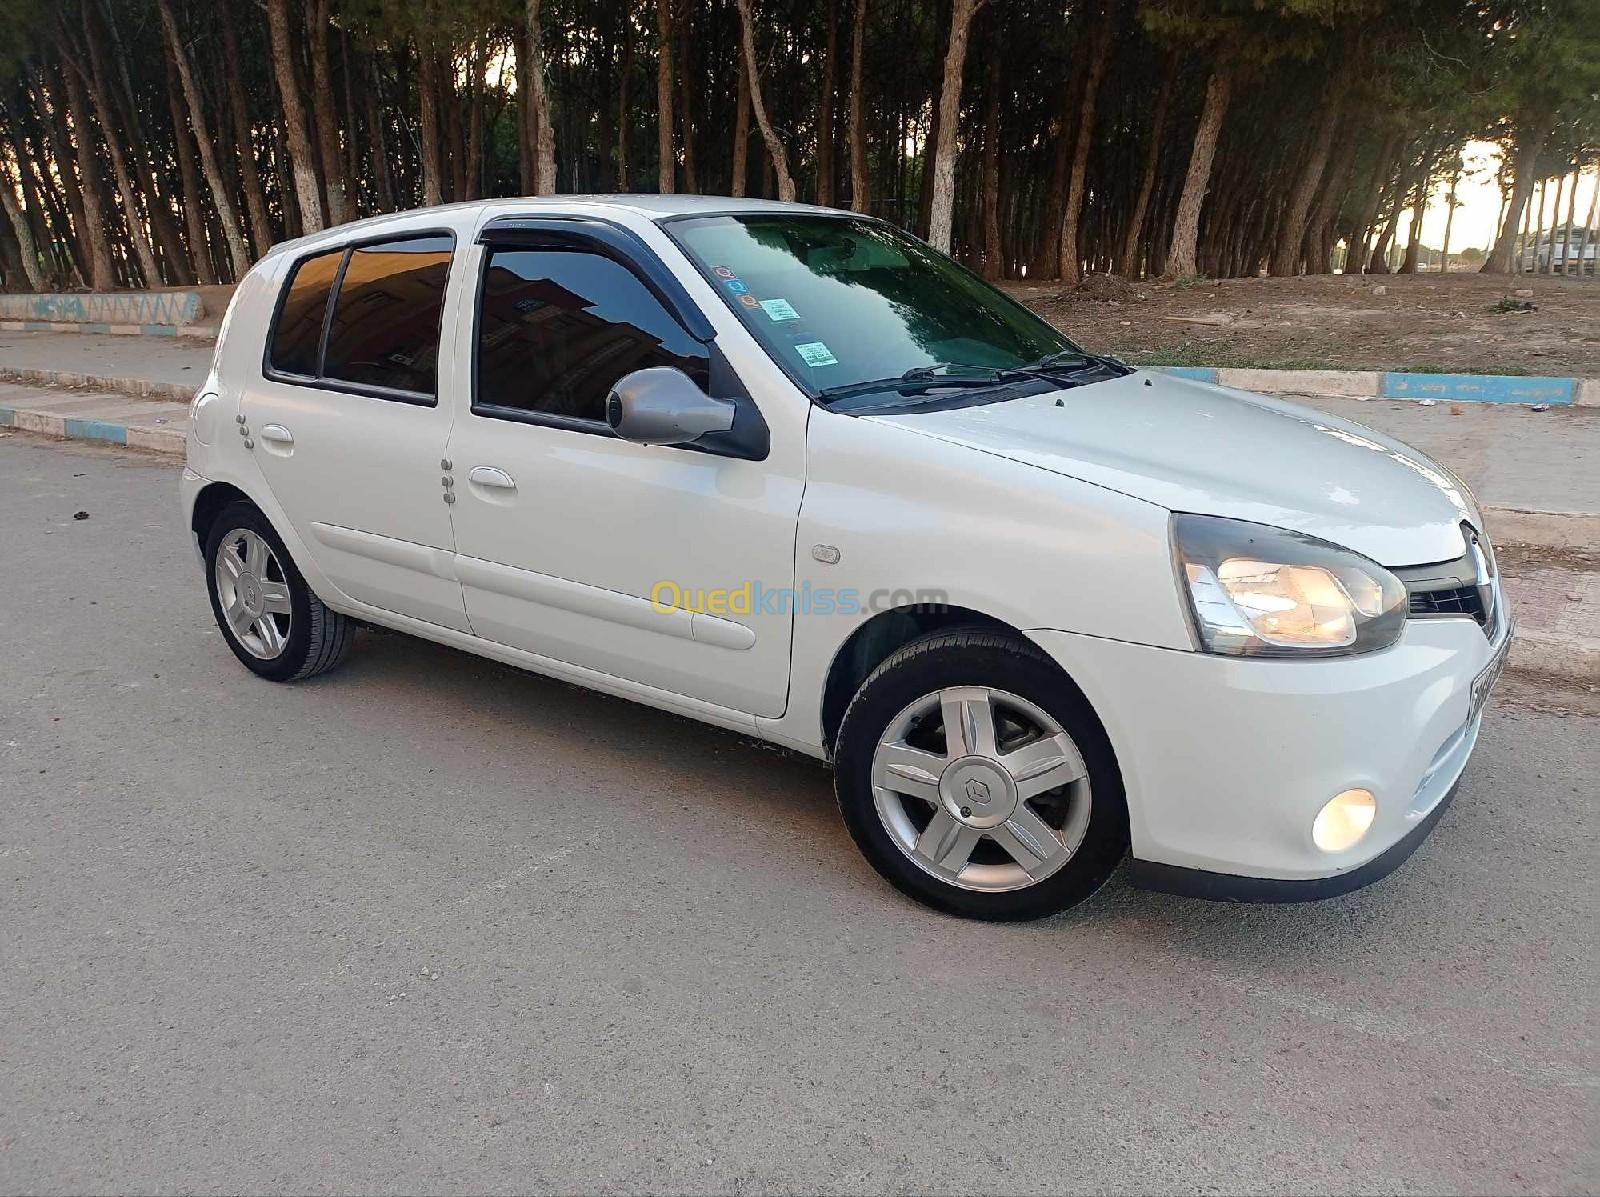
(1484, 682)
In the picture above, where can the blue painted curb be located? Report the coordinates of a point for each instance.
(1393, 384)
(94, 430)
(1478, 388)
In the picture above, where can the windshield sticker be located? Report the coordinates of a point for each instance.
(815, 353)
(749, 300)
(723, 272)
(736, 286)
(779, 310)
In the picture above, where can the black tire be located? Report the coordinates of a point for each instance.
(976, 657)
(319, 637)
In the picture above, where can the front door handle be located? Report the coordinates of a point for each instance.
(277, 434)
(490, 476)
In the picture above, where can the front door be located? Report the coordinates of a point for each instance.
(348, 425)
(653, 563)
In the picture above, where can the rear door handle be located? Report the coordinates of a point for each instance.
(490, 476)
(277, 434)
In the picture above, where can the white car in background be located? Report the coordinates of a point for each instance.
(789, 471)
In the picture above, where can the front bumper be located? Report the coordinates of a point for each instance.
(1226, 761)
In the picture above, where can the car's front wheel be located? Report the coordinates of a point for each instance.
(975, 777)
(270, 618)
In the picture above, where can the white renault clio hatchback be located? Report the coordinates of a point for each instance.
(788, 470)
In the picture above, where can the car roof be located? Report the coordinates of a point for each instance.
(647, 206)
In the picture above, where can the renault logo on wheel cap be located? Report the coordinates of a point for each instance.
(977, 792)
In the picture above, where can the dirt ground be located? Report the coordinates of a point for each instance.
(1428, 323)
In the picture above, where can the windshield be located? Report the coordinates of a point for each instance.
(840, 302)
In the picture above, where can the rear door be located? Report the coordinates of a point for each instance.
(351, 415)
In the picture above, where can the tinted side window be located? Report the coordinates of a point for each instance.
(298, 335)
(558, 327)
(385, 330)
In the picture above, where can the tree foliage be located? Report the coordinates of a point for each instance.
(1140, 136)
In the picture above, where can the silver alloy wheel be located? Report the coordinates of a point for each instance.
(253, 594)
(972, 810)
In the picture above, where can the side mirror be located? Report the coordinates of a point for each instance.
(662, 406)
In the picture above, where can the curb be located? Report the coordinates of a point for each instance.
(1393, 384)
(1571, 658)
(202, 331)
(166, 441)
(143, 388)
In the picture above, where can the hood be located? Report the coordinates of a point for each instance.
(1191, 446)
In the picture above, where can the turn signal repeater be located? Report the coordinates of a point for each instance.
(1345, 819)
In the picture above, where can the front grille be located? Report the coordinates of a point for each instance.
(1452, 600)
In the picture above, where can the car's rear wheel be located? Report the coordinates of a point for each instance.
(270, 618)
(975, 777)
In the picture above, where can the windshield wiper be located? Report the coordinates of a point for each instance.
(1074, 361)
(926, 378)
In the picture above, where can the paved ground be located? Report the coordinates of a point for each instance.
(181, 360)
(430, 924)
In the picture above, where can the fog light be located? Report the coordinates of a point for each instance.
(1345, 819)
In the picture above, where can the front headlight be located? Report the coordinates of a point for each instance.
(1260, 591)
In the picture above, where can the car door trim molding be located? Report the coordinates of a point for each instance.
(404, 554)
(609, 606)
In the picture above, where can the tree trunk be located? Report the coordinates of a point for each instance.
(1419, 206)
(428, 107)
(1572, 215)
(1379, 262)
(326, 113)
(238, 254)
(102, 273)
(126, 192)
(1128, 262)
(1286, 251)
(1180, 261)
(741, 131)
(1099, 50)
(1588, 223)
(830, 70)
(479, 56)
(294, 117)
(1355, 254)
(382, 176)
(780, 161)
(860, 198)
(1538, 224)
(1449, 217)
(691, 177)
(255, 198)
(666, 155)
(544, 175)
(941, 209)
(191, 204)
(989, 170)
(1320, 231)
(27, 248)
(622, 102)
(1529, 144)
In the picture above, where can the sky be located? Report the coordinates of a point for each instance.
(1478, 200)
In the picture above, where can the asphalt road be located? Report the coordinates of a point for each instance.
(432, 925)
